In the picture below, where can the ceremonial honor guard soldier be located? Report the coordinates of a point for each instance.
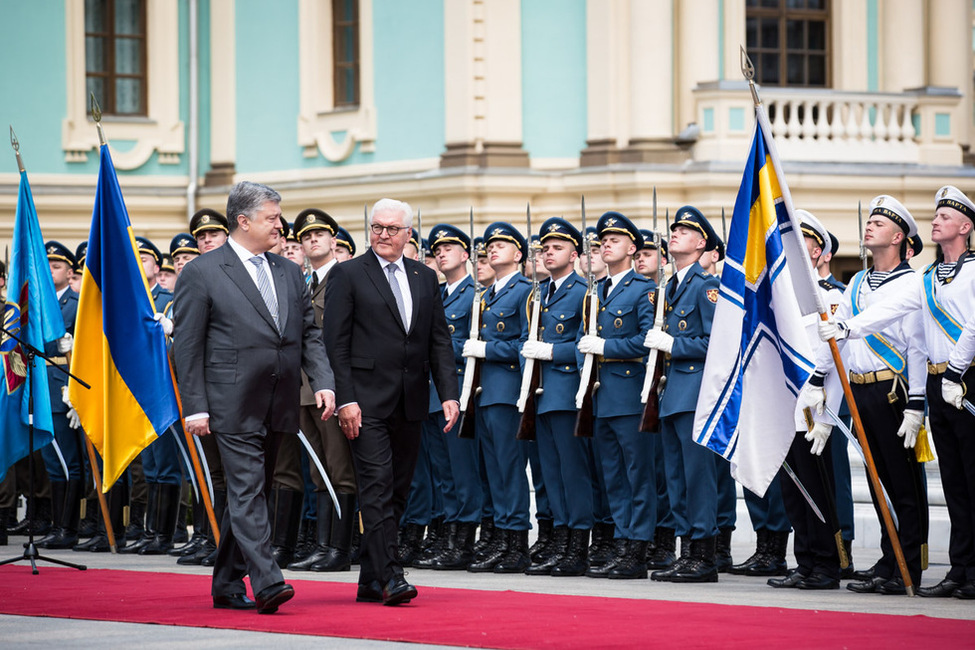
(344, 246)
(887, 376)
(316, 230)
(504, 328)
(210, 229)
(67, 485)
(689, 300)
(625, 454)
(454, 460)
(944, 294)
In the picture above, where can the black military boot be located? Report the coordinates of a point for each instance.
(517, 559)
(42, 524)
(181, 534)
(137, 517)
(575, 561)
(850, 570)
(773, 563)
(633, 566)
(164, 526)
(151, 516)
(199, 537)
(545, 529)
(208, 551)
(116, 499)
(492, 554)
(459, 551)
(620, 547)
(58, 489)
(4, 520)
(555, 550)
(664, 575)
(665, 547)
(761, 549)
(323, 531)
(356, 545)
(91, 520)
(307, 538)
(487, 531)
(722, 552)
(701, 566)
(410, 539)
(284, 511)
(65, 534)
(339, 556)
(433, 543)
(601, 548)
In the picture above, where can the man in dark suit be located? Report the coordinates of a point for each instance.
(245, 328)
(385, 333)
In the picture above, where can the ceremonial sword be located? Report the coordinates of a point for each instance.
(206, 468)
(189, 465)
(321, 470)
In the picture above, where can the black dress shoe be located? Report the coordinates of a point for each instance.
(788, 582)
(369, 593)
(233, 601)
(865, 574)
(869, 586)
(818, 581)
(966, 592)
(398, 591)
(893, 587)
(270, 598)
(944, 589)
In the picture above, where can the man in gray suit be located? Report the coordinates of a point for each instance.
(244, 329)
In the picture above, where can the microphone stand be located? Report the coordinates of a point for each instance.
(30, 550)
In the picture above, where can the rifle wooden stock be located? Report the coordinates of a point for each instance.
(650, 421)
(588, 381)
(586, 416)
(526, 427)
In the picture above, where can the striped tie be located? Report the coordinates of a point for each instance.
(264, 286)
(397, 293)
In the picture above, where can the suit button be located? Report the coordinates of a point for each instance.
(274, 377)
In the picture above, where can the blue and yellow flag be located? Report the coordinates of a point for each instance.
(32, 314)
(761, 355)
(119, 348)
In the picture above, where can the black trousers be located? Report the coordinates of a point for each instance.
(384, 455)
(814, 544)
(900, 473)
(954, 438)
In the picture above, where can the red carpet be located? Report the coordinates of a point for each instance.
(465, 617)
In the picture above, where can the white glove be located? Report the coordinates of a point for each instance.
(659, 340)
(73, 420)
(818, 436)
(829, 329)
(475, 348)
(65, 343)
(952, 392)
(590, 344)
(910, 426)
(167, 324)
(812, 398)
(537, 350)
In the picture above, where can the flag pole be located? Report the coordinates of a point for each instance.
(748, 70)
(96, 114)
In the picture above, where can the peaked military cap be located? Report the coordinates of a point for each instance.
(812, 227)
(593, 237)
(79, 254)
(3, 270)
(56, 251)
(207, 219)
(444, 233)
(834, 244)
(559, 228)
(888, 206)
(183, 243)
(167, 264)
(719, 246)
(146, 246)
(479, 246)
(284, 227)
(612, 222)
(344, 239)
(690, 217)
(916, 244)
(952, 197)
(425, 243)
(501, 231)
(415, 238)
(314, 219)
(653, 241)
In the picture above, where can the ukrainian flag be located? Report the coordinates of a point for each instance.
(761, 355)
(32, 314)
(119, 348)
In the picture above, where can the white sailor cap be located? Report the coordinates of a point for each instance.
(952, 197)
(887, 206)
(811, 227)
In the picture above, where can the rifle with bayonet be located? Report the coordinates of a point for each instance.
(419, 238)
(650, 421)
(472, 366)
(588, 379)
(531, 377)
(863, 248)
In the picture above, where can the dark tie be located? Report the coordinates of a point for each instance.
(443, 294)
(671, 289)
(551, 292)
(314, 281)
(606, 287)
(491, 293)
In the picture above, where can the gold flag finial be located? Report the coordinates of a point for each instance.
(96, 114)
(15, 143)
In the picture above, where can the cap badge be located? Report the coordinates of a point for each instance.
(205, 219)
(311, 219)
(52, 250)
(944, 192)
(611, 222)
(497, 232)
(554, 227)
(880, 201)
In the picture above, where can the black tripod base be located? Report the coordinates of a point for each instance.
(32, 556)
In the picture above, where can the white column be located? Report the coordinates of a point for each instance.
(697, 54)
(901, 45)
(223, 92)
(651, 53)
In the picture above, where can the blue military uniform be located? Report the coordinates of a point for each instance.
(504, 327)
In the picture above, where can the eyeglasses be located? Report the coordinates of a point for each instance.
(392, 231)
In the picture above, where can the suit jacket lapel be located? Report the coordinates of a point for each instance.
(234, 268)
(378, 277)
(413, 277)
(281, 288)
